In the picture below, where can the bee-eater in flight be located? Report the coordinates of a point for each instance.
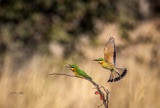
(78, 72)
(109, 61)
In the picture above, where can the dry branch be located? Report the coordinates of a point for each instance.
(101, 93)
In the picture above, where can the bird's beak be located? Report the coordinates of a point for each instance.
(68, 66)
(95, 60)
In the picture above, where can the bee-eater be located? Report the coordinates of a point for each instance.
(109, 61)
(78, 72)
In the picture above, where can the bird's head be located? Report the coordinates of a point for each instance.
(71, 67)
(100, 60)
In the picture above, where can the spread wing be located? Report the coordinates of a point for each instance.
(110, 51)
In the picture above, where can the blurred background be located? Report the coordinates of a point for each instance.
(39, 37)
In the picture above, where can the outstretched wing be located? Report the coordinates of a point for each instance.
(110, 51)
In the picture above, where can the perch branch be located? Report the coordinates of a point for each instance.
(63, 74)
(104, 98)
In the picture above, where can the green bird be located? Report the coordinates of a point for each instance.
(109, 62)
(78, 72)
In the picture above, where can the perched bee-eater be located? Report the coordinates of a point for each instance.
(78, 72)
(109, 61)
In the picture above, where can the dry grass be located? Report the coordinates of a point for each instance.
(32, 87)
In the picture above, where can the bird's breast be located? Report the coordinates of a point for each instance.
(107, 65)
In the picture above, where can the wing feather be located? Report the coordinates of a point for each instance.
(110, 51)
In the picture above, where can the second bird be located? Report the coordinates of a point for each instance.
(109, 61)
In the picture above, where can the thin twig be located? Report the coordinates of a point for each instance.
(63, 74)
(100, 105)
(105, 99)
(66, 75)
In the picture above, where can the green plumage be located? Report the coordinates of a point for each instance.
(78, 72)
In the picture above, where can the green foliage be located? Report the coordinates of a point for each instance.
(33, 24)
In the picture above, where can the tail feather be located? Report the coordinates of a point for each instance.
(124, 72)
(111, 77)
(117, 75)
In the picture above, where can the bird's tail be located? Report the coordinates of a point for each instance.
(117, 74)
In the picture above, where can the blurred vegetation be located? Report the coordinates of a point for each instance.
(33, 24)
(29, 26)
